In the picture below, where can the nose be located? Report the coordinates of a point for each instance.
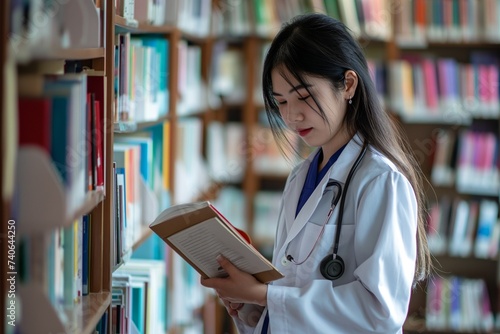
(293, 115)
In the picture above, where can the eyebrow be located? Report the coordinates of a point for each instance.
(296, 88)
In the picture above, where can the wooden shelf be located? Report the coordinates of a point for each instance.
(77, 54)
(128, 127)
(85, 316)
(66, 54)
(38, 180)
(438, 119)
(122, 24)
(143, 235)
(424, 45)
(43, 317)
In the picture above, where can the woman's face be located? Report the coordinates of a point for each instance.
(301, 114)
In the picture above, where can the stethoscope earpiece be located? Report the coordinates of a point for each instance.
(332, 266)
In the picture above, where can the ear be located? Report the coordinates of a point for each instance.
(350, 82)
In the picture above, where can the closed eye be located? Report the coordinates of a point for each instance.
(281, 102)
(304, 98)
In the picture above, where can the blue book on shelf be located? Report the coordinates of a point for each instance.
(59, 140)
(146, 158)
(138, 305)
(85, 254)
(160, 77)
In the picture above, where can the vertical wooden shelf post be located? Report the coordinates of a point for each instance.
(173, 78)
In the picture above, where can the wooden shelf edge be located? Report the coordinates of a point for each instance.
(89, 312)
(129, 127)
(425, 44)
(135, 27)
(66, 54)
(75, 54)
(141, 28)
(144, 234)
(92, 200)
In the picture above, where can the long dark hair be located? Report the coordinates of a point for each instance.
(318, 45)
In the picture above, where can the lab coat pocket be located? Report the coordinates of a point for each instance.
(315, 248)
(310, 270)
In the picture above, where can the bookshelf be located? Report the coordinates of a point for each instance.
(452, 126)
(419, 128)
(248, 34)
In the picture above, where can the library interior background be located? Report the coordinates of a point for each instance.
(114, 110)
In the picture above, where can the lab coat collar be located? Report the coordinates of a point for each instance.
(338, 171)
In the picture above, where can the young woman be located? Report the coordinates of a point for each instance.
(350, 240)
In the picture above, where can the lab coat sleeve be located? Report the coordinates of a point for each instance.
(385, 252)
(248, 317)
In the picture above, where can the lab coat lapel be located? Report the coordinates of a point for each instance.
(295, 224)
(292, 193)
(338, 172)
(346, 160)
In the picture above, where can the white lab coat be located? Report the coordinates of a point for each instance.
(377, 243)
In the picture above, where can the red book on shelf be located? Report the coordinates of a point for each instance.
(35, 122)
(99, 143)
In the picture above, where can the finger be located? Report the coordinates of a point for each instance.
(209, 282)
(236, 306)
(232, 312)
(227, 265)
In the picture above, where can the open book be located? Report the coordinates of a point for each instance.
(199, 233)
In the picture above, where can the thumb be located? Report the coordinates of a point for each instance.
(227, 265)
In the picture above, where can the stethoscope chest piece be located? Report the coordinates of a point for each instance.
(332, 268)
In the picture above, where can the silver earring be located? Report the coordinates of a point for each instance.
(350, 100)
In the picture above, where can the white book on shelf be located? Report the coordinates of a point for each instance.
(459, 231)
(154, 273)
(488, 215)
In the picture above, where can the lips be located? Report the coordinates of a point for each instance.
(304, 132)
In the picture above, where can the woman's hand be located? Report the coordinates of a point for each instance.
(232, 308)
(238, 287)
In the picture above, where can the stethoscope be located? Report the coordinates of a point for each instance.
(332, 266)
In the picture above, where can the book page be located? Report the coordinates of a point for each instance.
(179, 210)
(203, 242)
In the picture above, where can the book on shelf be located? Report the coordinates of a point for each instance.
(199, 233)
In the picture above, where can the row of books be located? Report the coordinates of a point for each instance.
(416, 87)
(463, 228)
(61, 134)
(141, 78)
(38, 27)
(57, 263)
(228, 150)
(469, 160)
(458, 304)
(192, 16)
(443, 88)
(140, 185)
(191, 173)
(240, 18)
(231, 202)
(422, 21)
(138, 303)
(365, 18)
(227, 79)
(193, 96)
